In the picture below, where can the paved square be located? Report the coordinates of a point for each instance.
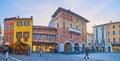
(63, 57)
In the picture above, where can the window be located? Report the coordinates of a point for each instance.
(26, 36)
(26, 23)
(57, 25)
(108, 27)
(114, 32)
(119, 39)
(82, 23)
(5, 37)
(108, 33)
(114, 40)
(34, 36)
(50, 37)
(12, 27)
(77, 27)
(119, 25)
(113, 26)
(5, 22)
(18, 36)
(119, 32)
(6, 28)
(70, 35)
(11, 37)
(108, 39)
(70, 25)
(63, 24)
(19, 23)
(38, 36)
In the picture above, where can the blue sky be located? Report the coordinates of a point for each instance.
(96, 11)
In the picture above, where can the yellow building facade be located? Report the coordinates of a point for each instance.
(23, 30)
(113, 35)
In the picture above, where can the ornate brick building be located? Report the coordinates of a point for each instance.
(71, 30)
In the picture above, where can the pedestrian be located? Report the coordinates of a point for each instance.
(86, 53)
(6, 52)
(41, 50)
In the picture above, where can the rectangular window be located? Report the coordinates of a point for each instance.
(25, 36)
(119, 39)
(18, 36)
(108, 39)
(26, 23)
(12, 27)
(6, 28)
(114, 32)
(38, 36)
(108, 27)
(119, 32)
(114, 41)
(6, 37)
(57, 25)
(11, 37)
(113, 27)
(119, 25)
(108, 33)
(50, 37)
(19, 23)
(70, 35)
(63, 24)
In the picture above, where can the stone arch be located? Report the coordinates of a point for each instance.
(67, 46)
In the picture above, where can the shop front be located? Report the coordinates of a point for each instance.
(46, 47)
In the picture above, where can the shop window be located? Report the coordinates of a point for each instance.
(26, 36)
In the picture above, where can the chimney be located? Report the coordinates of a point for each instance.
(31, 17)
(110, 21)
(18, 17)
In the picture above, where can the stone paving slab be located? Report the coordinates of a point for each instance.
(51, 57)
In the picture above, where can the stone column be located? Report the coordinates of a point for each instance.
(61, 48)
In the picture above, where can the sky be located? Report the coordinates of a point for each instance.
(96, 11)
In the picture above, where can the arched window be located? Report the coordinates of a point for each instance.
(70, 25)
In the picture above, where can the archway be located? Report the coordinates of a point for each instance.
(67, 47)
(56, 48)
(76, 47)
(109, 49)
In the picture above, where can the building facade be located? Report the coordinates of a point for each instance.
(18, 29)
(99, 37)
(44, 37)
(111, 36)
(90, 41)
(71, 30)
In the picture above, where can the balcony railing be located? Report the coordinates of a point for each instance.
(74, 30)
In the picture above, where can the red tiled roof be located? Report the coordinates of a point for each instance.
(62, 9)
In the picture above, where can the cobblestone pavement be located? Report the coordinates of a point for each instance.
(48, 57)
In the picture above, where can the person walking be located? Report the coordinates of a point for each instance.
(41, 50)
(6, 52)
(86, 53)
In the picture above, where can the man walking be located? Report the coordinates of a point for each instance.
(86, 53)
(6, 52)
(41, 50)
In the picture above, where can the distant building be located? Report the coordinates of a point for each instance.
(18, 29)
(71, 30)
(90, 41)
(44, 37)
(107, 36)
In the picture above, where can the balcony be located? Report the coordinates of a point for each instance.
(74, 30)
